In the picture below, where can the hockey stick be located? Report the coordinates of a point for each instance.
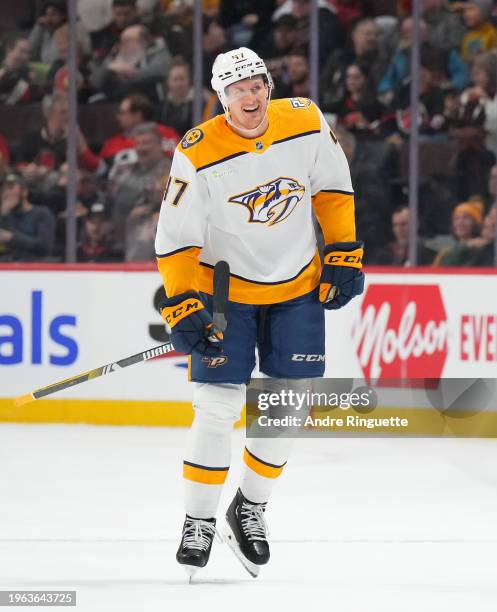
(220, 310)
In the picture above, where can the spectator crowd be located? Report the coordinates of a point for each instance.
(135, 102)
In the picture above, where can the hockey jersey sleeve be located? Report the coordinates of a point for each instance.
(181, 228)
(332, 193)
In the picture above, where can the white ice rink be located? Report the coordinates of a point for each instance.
(356, 525)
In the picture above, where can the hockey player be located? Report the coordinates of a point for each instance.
(242, 189)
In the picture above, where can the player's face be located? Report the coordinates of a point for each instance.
(247, 102)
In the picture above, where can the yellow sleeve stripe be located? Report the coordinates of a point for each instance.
(179, 270)
(204, 474)
(268, 470)
(336, 215)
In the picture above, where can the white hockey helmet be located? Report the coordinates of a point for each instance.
(235, 66)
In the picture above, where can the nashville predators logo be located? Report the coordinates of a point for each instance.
(272, 202)
(191, 138)
(214, 362)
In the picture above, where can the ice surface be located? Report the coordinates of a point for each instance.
(356, 525)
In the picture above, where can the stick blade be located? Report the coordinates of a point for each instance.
(23, 399)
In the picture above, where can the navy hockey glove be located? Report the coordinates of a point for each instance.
(342, 277)
(192, 329)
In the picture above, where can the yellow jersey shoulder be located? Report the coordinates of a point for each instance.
(294, 116)
(213, 142)
(208, 142)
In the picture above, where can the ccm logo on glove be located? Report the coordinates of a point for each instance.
(353, 260)
(192, 328)
(342, 277)
(174, 314)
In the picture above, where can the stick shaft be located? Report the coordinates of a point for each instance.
(221, 288)
(108, 368)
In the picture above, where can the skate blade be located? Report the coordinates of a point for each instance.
(190, 570)
(231, 541)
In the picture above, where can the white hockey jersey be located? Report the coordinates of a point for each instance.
(248, 202)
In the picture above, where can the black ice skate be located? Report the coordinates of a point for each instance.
(246, 533)
(196, 543)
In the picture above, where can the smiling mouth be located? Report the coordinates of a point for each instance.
(251, 110)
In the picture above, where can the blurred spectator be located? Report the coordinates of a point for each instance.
(349, 12)
(492, 187)
(14, 71)
(97, 239)
(175, 26)
(451, 70)
(448, 69)
(331, 35)
(177, 110)
(399, 66)
(142, 221)
(473, 163)
(210, 7)
(364, 51)
(137, 65)
(45, 150)
(55, 196)
(53, 15)
(445, 27)
(124, 14)
(131, 181)
(432, 106)
(396, 253)
(246, 21)
(359, 110)
(147, 7)
(278, 44)
(372, 166)
(297, 76)
(95, 15)
(214, 41)
(484, 247)
(134, 111)
(467, 219)
(480, 100)
(141, 239)
(481, 36)
(26, 231)
(58, 75)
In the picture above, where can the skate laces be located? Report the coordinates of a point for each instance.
(253, 522)
(199, 534)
